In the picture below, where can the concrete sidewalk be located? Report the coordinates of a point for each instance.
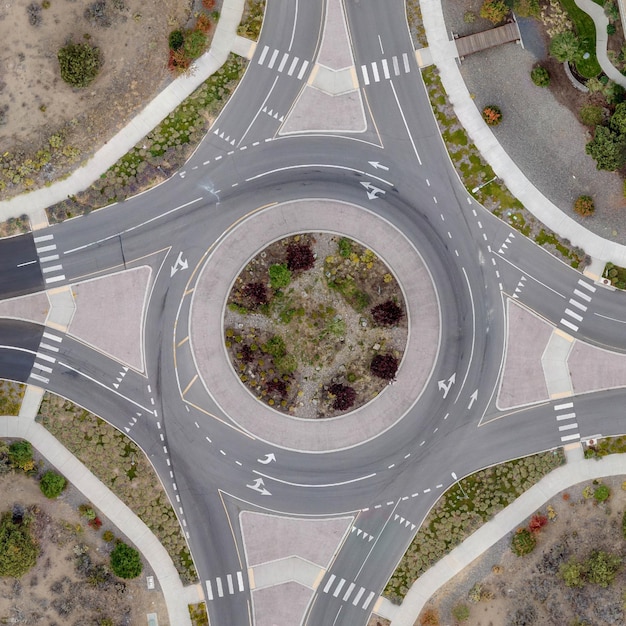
(176, 596)
(576, 470)
(442, 51)
(224, 40)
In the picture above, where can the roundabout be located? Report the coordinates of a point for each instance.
(234, 252)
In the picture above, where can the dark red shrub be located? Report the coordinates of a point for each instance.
(245, 354)
(387, 314)
(256, 292)
(299, 257)
(277, 386)
(384, 366)
(344, 396)
(537, 522)
(95, 523)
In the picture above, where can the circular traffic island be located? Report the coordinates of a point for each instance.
(265, 315)
(315, 325)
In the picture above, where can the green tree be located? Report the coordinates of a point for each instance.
(573, 573)
(52, 484)
(618, 119)
(280, 276)
(602, 567)
(125, 561)
(540, 76)
(21, 454)
(79, 63)
(566, 46)
(608, 148)
(494, 10)
(18, 548)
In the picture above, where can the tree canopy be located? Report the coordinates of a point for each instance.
(79, 63)
(18, 548)
(608, 148)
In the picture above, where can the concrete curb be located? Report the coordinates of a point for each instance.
(97, 493)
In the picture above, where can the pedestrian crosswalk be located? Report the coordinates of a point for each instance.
(222, 586)
(388, 67)
(572, 318)
(51, 268)
(343, 592)
(46, 357)
(564, 418)
(283, 62)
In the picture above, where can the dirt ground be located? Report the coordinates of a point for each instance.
(57, 591)
(36, 104)
(333, 342)
(524, 591)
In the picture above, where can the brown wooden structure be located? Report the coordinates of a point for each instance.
(487, 39)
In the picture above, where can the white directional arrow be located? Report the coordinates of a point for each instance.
(181, 264)
(378, 166)
(268, 458)
(372, 190)
(446, 388)
(473, 399)
(259, 485)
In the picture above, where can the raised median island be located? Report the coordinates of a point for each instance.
(315, 325)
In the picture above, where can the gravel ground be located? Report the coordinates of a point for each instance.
(543, 137)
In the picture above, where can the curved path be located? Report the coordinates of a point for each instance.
(211, 293)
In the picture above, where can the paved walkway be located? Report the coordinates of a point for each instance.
(443, 53)
(575, 471)
(24, 426)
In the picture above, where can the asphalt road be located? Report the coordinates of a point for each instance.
(204, 460)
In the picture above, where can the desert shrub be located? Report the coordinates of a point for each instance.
(256, 292)
(344, 396)
(584, 206)
(79, 63)
(387, 314)
(523, 542)
(492, 115)
(540, 76)
(18, 548)
(494, 10)
(345, 247)
(384, 366)
(108, 536)
(276, 386)
(602, 567)
(195, 43)
(461, 612)
(98, 14)
(52, 484)
(275, 346)
(286, 364)
(601, 493)
(204, 23)
(34, 14)
(572, 573)
(87, 511)
(429, 617)
(537, 522)
(591, 115)
(469, 17)
(125, 561)
(280, 276)
(176, 40)
(526, 8)
(21, 454)
(299, 257)
(209, 5)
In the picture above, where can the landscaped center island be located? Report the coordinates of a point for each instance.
(315, 325)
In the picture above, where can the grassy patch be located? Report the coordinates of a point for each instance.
(616, 274)
(11, 395)
(605, 446)
(463, 509)
(198, 614)
(474, 171)
(162, 151)
(587, 32)
(252, 20)
(123, 468)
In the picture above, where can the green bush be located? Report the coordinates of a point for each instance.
(345, 247)
(79, 63)
(523, 542)
(602, 567)
(601, 493)
(566, 46)
(125, 561)
(280, 276)
(540, 76)
(461, 612)
(21, 454)
(52, 484)
(18, 548)
(494, 10)
(195, 43)
(591, 115)
(275, 346)
(610, 29)
(176, 40)
(573, 574)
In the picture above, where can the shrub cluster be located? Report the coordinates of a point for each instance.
(523, 542)
(300, 257)
(344, 396)
(52, 484)
(494, 10)
(384, 366)
(79, 63)
(125, 561)
(584, 206)
(600, 569)
(18, 548)
(389, 313)
(540, 76)
(617, 276)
